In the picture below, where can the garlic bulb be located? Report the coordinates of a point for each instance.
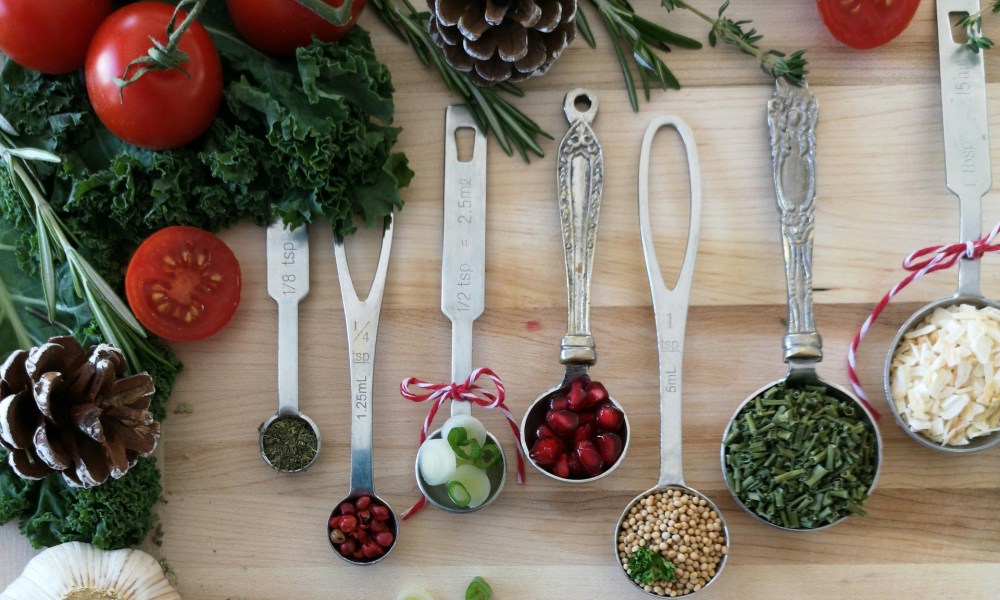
(78, 571)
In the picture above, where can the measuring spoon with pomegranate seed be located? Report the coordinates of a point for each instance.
(670, 307)
(580, 181)
(362, 329)
(463, 283)
(288, 284)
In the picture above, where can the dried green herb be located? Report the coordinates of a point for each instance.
(801, 458)
(290, 443)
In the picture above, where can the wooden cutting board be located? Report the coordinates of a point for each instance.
(234, 529)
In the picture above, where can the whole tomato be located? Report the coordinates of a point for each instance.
(278, 27)
(47, 38)
(164, 108)
(866, 24)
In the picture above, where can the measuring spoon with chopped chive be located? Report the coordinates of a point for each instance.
(653, 507)
(799, 454)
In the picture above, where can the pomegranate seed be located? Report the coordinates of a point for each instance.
(575, 468)
(596, 393)
(348, 523)
(371, 549)
(589, 457)
(345, 508)
(381, 513)
(384, 539)
(347, 548)
(609, 445)
(577, 397)
(582, 433)
(586, 417)
(545, 451)
(559, 403)
(363, 502)
(543, 431)
(609, 418)
(561, 467)
(562, 421)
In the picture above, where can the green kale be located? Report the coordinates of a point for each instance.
(17, 496)
(116, 514)
(647, 567)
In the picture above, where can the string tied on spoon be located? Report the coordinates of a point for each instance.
(490, 396)
(918, 263)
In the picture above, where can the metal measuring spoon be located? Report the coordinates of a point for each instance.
(670, 308)
(792, 113)
(580, 180)
(288, 284)
(968, 170)
(362, 329)
(463, 282)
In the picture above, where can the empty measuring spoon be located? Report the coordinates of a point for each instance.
(707, 548)
(463, 284)
(289, 440)
(580, 182)
(968, 171)
(792, 114)
(362, 329)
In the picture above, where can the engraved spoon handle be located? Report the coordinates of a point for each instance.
(580, 180)
(791, 118)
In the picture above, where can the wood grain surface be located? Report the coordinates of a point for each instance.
(234, 529)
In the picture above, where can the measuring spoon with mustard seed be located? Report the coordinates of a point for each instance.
(362, 319)
(288, 284)
(670, 307)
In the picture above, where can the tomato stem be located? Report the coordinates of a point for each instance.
(337, 16)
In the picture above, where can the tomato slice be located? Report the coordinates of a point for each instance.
(183, 283)
(865, 24)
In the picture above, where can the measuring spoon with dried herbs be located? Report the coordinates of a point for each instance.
(289, 440)
(799, 454)
(671, 540)
(362, 528)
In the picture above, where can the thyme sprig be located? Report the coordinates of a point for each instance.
(640, 38)
(973, 24)
(115, 320)
(735, 33)
(513, 129)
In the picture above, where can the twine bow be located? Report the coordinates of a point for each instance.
(919, 263)
(416, 390)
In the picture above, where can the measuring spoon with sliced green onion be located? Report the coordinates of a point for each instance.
(800, 453)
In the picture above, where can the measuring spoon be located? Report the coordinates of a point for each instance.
(362, 318)
(288, 284)
(580, 181)
(792, 114)
(463, 282)
(968, 170)
(670, 308)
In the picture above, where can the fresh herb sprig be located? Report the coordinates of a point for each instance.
(513, 129)
(632, 34)
(735, 33)
(647, 567)
(973, 24)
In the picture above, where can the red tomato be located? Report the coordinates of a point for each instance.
(278, 27)
(183, 283)
(865, 24)
(163, 109)
(47, 38)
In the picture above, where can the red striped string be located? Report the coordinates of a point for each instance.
(919, 263)
(417, 390)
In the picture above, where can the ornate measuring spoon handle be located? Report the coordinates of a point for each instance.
(791, 117)
(580, 179)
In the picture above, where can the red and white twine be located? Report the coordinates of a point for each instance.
(919, 263)
(416, 390)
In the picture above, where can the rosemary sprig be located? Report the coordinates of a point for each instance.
(973, 24)
(114, 319)
(513, 129)
(772, 62)
(639, 37)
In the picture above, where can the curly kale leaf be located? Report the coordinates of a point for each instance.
(648, 567)
(17, 496)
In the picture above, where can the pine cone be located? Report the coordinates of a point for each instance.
(65, 411)
(502, 40)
